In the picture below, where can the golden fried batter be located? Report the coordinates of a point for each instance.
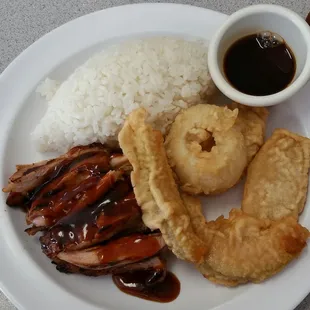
(245, 249)
(277, 179)
(155, 188)
(201, 171)
(227, 251)
(251, 121)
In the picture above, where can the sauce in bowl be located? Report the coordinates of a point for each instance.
(260, 64)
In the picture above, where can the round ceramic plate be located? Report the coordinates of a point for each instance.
(26, 276)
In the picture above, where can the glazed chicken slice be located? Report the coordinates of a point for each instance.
(118, 253)
(116, 212)
(28, 177)
(156, 264)
(72, 192)
(52, 189)
(118, 160)
(25, 184)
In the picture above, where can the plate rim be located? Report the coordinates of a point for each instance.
(233, 304)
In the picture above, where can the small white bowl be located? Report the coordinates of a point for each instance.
(290, 26)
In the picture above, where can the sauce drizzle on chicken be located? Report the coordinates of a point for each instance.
(84, 204)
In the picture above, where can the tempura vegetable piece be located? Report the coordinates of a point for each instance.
(251, 121)
(277, 179)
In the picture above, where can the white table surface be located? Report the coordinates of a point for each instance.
(24, 21)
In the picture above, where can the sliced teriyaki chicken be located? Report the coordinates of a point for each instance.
(68, 194)
(155, 263)
(117, 253)
(52, 189)
(116, 212)
(84, 203)
(28, 177)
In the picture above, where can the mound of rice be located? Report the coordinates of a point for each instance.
(163, 75)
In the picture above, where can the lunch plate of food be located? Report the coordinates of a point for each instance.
(157, 156)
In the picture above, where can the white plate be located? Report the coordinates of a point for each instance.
(27, 276)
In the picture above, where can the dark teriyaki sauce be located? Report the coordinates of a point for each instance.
(258, 67)
(143, 284)
(89, 224)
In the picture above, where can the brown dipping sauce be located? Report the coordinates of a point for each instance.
(259, 65)
(144, 284)
(308, 19)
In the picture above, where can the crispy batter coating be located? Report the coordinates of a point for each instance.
(227, 251)
(155, 188)
(245, 249)
(201, 171)
(277, 179)
(251, 121)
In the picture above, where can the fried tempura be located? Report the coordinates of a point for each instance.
(227, 251)
(277, 179)
(251, 121)
(245, 249)
(155, 188)
(200, 171)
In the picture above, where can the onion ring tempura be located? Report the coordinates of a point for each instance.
(206, 171)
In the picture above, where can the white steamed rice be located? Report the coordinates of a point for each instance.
(160, 74)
